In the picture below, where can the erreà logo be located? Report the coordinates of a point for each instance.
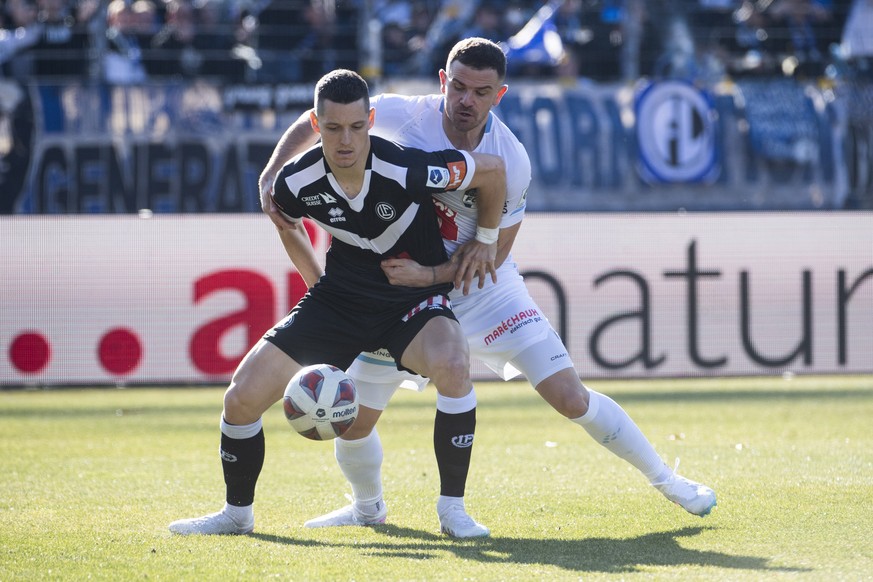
(463, 441)
(437, 177)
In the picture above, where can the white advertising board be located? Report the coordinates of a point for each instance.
(180, 298)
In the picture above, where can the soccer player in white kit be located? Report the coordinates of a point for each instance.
(504, 327)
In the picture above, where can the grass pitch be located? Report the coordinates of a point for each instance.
(91, 478)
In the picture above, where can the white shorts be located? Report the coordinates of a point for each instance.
(505, 329)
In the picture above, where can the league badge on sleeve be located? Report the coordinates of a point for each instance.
(437, 177)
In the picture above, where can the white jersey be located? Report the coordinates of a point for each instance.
(500, 320)
(417, 122)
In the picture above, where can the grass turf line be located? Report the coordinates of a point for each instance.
(91, 479)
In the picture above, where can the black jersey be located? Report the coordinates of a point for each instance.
(392, 216)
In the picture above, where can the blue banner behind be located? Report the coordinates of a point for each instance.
(669, 145)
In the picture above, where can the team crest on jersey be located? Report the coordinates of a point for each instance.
(437, 177)
(385, 211)
(336, 215)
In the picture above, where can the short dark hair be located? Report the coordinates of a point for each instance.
(478, 53)
(341, 86)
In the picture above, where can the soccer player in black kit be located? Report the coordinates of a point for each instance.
(374, 198)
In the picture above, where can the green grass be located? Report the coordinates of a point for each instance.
(91, 478)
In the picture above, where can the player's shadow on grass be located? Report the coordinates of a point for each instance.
(606, 555)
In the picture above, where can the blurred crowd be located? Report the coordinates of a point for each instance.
(270, 41)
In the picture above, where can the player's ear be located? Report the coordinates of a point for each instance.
(371, 119)
(313, 121)
(500, 93)
(444, 79)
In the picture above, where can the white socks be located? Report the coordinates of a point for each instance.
(444, 502)
(610, 425)
(456, 405)
(361, 463)
(241, 516)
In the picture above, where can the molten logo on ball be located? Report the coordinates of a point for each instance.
(321, 402)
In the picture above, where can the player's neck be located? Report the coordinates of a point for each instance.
(463, 140)
(350, 179)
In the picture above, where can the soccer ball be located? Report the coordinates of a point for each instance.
(320, 402)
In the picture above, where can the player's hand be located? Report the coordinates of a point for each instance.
(407, 272)
(269, 207)
(476, 260)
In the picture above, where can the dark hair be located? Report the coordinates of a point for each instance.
(341, 86)
(478, 53)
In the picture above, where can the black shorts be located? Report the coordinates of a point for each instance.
(322, 330)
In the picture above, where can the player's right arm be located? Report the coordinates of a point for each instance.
(409, 273)
(299, 137)
(299, 248)
(294, 237)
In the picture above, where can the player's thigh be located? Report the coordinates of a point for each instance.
(258, 383)
(541, 359)
(440, 347)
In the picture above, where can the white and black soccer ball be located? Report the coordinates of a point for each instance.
(321, 402)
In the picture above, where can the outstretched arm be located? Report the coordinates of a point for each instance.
(297, 138)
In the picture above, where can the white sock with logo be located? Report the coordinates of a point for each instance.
(610, 425)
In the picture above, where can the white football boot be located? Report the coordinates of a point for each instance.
(349, 515)
(695, 498)
(456, 523)
(213, 524)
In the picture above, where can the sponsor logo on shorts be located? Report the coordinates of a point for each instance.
(512, 324)
(558, 357)
(469, 198)
(435, 302)
(463, 441)
(289, 319)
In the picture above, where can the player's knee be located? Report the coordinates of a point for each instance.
(450, 368)
(566, 395)
(237, 408)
